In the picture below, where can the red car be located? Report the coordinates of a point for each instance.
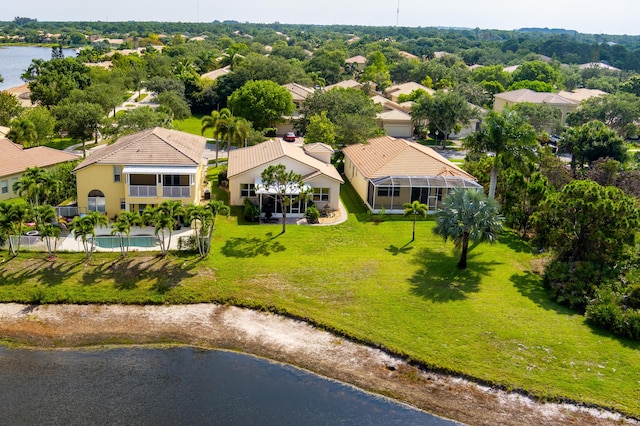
(290, 137)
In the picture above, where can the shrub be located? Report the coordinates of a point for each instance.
(250, 212)
(606, 310)
(312, 214)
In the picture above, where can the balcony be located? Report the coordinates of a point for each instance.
(176, 192)
(143, 191)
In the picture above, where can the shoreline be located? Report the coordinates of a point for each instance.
(290, 341)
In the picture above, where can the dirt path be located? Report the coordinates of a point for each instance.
(289, 341)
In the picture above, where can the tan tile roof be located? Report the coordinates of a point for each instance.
(579, 95)
(156, 146)
(358, 59)
(244, 159)
(298, 91)
(394, 115)
(212, 75)
(598, 65)
(14, 159)
(407, 55)
(345, 84)
(317, 147)
(388, 156)
(407, 88)
(526, 95)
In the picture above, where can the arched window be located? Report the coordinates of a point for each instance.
(96, 201)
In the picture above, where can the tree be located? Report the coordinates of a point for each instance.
(45, 219)
(9, 107)
(139, 119)
(287, 185)
(506, 135)
(43, 122)
(263, 102)
(415, 208)
(52, 81)
(468, 215)
(13, 217)
(164, 218)
(539, 71)
(377, 71)
(320, 129)
(521, 201)
(217, 122)
(84, 227)
(80, 120)
(175, 103)
(588, 222)
(351, 111)
(543, 117)
(616, 111)
(590, 142)
(122, 226)
(443, 111)
(35, 185)
(23, 131)
(237, 132)
(205, 222)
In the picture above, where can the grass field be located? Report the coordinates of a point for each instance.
(368, 281)
(191, 125)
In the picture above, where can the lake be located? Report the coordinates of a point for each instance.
(14, 60)
(181, 386)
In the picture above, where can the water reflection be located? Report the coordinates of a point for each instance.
(180, 386)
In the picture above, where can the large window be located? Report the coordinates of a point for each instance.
(96, 201)
(320, 194)
(247, 190)
(388, 191)
(175, 180)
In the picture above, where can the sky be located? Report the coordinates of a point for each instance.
(585, 16)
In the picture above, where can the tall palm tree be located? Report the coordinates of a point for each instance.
(23, 131)
(122, 226)
(164, 218)
(217, 122)
(200, 218)
(416, 208)
(238, 129)
(45, 217)
(508, 136)
(85, 228)
(468, 215)
(33, 185)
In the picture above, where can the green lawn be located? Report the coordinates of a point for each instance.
(61, 143)
(191, 125)
(368, 281)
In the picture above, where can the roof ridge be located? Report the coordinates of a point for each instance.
(172, 145)
(120, 145)
(430, 151)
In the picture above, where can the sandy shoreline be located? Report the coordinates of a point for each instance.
(290, 341)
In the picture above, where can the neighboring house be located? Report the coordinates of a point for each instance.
(505, 99)
(313, 163)
(408, 55)
(213, 75)
(4, 131)
(14, 160)
(406, 89)
(600, 65)
(299, 93)
(394, 119)
(23, 93)
(356, 62)
(388, 172)
(142, 169)
(345, 84)
(580, 95)
(511, 68)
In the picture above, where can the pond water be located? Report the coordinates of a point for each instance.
(14, 60)
(181, 386)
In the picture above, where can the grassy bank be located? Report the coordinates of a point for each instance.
(368, 281)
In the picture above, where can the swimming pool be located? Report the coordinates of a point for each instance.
(144, 241)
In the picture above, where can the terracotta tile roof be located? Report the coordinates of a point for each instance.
(345, 84)
(579, 95)
(526, 95)
(156, 146)
(14, 159)
(407, 55)
(394, 115)
(358, 59)
(318, 147)
(407, 88)
(244, 159)
(388, 156)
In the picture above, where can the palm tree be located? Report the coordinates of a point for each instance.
(285, 184)
(238, 129)
(508, 136)
(468, 215)
(85, 228)
(416, 208)
(164, 218)
(122, 226)
(12, 220)
(32, 185)
(217, 122)
(23, 131)
(200, 217)
(45, 217)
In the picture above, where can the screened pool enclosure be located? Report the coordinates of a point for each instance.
(391, 192)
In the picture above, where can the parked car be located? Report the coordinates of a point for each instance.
(290, 137)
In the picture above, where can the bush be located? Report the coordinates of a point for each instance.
(222, 177)
(606, 310)
(312, 214)
(575, 283)
(250, 212)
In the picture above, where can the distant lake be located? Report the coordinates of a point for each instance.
(181, 386)
(14, 60)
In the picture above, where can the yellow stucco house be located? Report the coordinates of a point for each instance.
(507, 99)
(387, 172)
(142, 169)
(14, 160)
(312, 162)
